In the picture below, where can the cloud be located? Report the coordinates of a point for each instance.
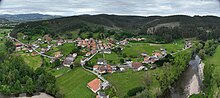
(121, 7)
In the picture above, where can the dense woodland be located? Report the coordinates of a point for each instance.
(17, 77)
(119, 27)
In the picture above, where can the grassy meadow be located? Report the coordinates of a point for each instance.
(32, 61)
(128, 80)
(74, 84)
(3, 33)
(135, 49)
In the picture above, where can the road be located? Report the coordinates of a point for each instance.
(28, 46)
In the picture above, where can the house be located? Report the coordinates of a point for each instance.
(150, 60)
(163, 52)
(69, 60)
(47, 38)
(144, 54)
(69, 41)
(157, 54)
(101, 69)
(78, 39)
(101, 61)
(60, 42)
(43, 50)
(107, 51)
(83, 61)
(74, 55)
(39, 39)
(18, 46)
(94, 85)
(122, 69)
(101, 95)
(58, 54)
(146, 60)
(137, 66)
(109, 68)
(128, 62)
(88, 53)
(95, 67)
(93, 51)
(33, 53)
(35, 46)
(188, 44)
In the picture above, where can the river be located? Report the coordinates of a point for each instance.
(190, 82)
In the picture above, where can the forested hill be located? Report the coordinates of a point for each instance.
(27, 17)
(137, 25)
(2, 20)
(77, 22)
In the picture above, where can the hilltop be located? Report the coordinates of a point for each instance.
(27, 17)
(169, 27)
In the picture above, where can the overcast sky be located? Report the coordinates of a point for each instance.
(121, 7)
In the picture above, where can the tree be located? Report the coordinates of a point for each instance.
(71, 66)
(17, 87)
(29, 86)
(10, 47)
(122, 61)
(57, 63)
(202, 54)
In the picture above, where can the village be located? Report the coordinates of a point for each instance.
(89, 48)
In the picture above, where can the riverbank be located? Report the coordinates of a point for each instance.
(195, 85)
(190, 82)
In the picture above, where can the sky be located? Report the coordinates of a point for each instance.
(119, 7)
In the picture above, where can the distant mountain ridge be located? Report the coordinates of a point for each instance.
(186, 26)
(128, 23)
(3, 20)
(27, 17)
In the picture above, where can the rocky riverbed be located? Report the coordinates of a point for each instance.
(190, 82)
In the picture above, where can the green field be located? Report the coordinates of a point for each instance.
(112, 58)
(32, 61)
(74, 84)
(123, 82)
(212, 89)
(135, 49)
(65, 49)
(3, 33)
(128, 80)
(215, 59)
(59, 72)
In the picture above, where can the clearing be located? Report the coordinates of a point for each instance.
(74, 84)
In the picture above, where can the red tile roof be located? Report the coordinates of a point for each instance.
(136, 65)
(96, 66)
(94, 85)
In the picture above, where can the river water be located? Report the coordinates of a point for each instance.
(190, 82)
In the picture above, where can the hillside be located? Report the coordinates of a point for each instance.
(27, 17)
(3, 20)
(186, 26)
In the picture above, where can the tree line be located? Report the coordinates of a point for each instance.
(17, 77)
(165, 76)
(211, 82)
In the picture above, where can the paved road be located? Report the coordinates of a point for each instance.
(27, 46)
(179, 51)
(99, 76)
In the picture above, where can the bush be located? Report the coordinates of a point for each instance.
(134, 91)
